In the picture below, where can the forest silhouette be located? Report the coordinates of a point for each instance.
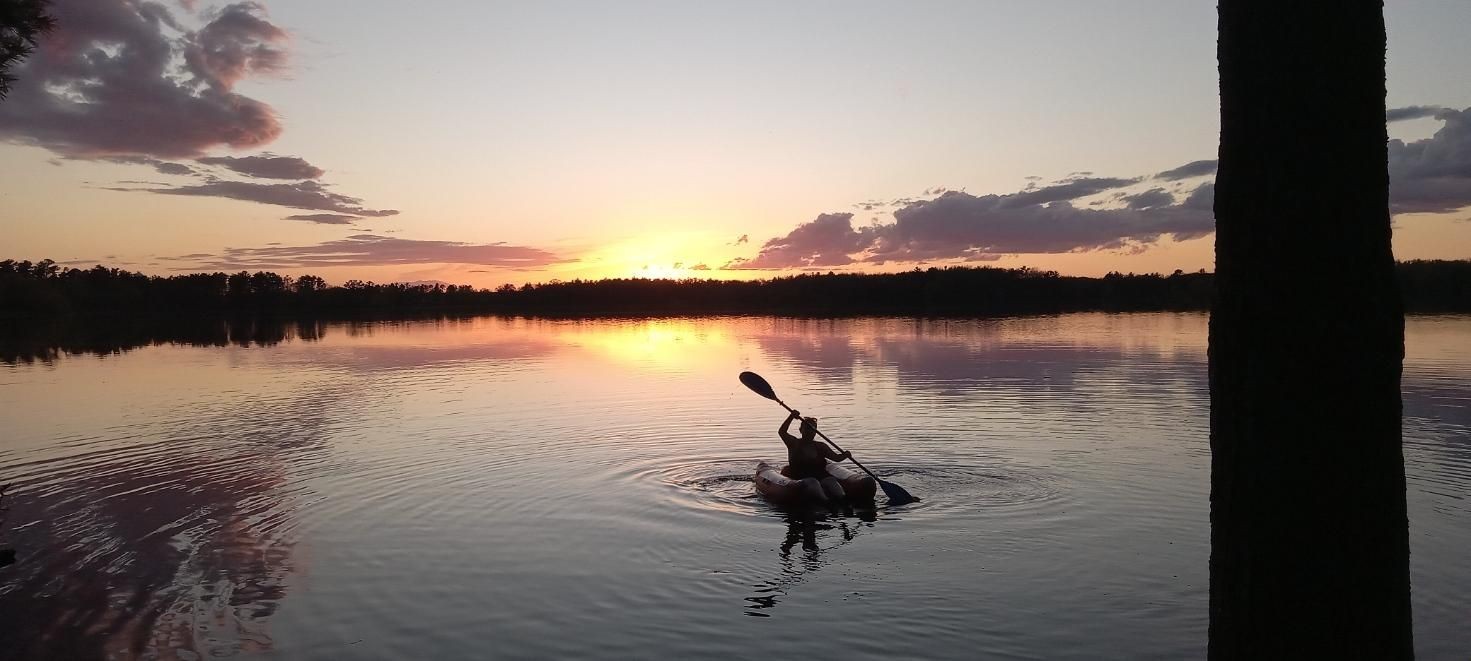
(44, 290)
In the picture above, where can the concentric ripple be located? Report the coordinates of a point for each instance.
(945, 488)
(726, 485)
(711, 484)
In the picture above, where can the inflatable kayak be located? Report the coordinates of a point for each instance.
(774, 485)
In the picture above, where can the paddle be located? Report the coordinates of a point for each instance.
(897, 495)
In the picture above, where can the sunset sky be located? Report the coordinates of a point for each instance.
(487, 142)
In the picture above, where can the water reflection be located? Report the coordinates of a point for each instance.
(48, 341)
(168, 548)
(818, 535)
(953, 357)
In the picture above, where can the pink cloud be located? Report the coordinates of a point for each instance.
(125, 77)
(267, 166)
(309, 195)
(373, 250)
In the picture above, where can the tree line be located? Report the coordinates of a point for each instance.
(46, 290)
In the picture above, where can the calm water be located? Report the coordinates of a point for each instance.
(543, 489)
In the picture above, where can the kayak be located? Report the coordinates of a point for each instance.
(774, 485)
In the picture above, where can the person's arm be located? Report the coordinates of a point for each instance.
(834, 455)
(785, 426)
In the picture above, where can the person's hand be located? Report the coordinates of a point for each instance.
(796, 413)
(846, 456)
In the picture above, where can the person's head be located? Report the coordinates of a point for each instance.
(809, 428)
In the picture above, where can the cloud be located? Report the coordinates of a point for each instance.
(700, 267)
(1071, 189)
(267, 166)
(309, 195)
(829, 240)
(1154, 197)
(122, 77)
(953, 225)
(372, 250)
(1433, 175)
(744, 238)
(1203, 198)
(174, 168)
(1411, 112)
(958, 225)
(128, 81)
(325, 218)
(237, 42)
(162, 167)
(1188, 170)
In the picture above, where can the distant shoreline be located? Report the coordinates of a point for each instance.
(42, 291)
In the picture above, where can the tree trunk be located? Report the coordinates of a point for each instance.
(1309, 535)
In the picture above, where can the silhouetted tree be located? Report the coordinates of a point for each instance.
(310, 283)
(237, 287)
(22, 22)
(1309, 537)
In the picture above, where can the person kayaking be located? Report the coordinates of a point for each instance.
(807, 457)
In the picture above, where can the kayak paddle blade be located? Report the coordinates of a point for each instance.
(758, 385)
(896, 494)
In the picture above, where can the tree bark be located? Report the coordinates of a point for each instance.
(1309, 534)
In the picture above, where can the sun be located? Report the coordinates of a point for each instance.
(662, 272)
(663, 255)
